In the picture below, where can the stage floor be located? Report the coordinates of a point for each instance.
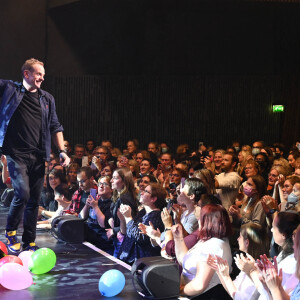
(75, 275)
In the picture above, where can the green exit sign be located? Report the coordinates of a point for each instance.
(278, 108)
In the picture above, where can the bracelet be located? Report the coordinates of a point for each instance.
(167, 228)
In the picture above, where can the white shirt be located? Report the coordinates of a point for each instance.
(199, 253)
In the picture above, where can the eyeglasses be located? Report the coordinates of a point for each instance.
(103, 183)
(174, 175)
(101, 153)
(82, 181)
(52, 178)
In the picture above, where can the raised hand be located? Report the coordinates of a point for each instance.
(125, 210)
(177, 232)
(166, 218)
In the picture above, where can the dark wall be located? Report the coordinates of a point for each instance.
(178, 71)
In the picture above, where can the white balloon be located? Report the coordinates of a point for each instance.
(25, 256)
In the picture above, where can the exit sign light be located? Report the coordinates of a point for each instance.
(278, 108)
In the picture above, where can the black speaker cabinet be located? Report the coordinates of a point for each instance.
(69, 229)
(156, 278)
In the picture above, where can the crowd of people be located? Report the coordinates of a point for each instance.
(228, 217)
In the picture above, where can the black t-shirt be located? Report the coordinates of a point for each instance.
(23, 134)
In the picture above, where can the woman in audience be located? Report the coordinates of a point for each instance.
(97, 212)
(288, 202)
(216, 166)
(142, 154)
(292, 158)
(108, 169)
(197, 277)
(123, 193)
(56, 177)
(252, 240)
(63, 197)
(243, 157)
(274, 280)
(136, 244)
(134, 168)
(207, 177)
(284, 224)
(252, 209)
(72, 177)
(145, 167)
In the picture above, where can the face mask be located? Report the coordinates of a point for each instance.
(255, 151)
(237, 149)
(292, 198)
(164, 150)
(249, 191)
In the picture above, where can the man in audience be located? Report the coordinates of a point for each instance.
(257, 146)
(86, 183)
(164, 168)
(228, 182)
(153, 147)
(79, 157)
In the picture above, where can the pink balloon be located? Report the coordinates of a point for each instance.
(25, 256)
(15, 277)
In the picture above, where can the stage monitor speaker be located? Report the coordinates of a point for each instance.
(156, 278)
(69, 229)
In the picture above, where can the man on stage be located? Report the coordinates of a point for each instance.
(28, 120)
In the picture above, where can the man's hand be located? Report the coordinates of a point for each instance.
(64, 159)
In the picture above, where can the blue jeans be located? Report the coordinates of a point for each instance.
(27, 175)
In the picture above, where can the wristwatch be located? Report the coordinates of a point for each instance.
(62, 151)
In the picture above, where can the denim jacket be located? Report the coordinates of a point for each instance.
(12, 93)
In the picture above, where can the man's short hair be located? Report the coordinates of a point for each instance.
(79, 146)
(29, 64)
(234, 158)
(87, 170)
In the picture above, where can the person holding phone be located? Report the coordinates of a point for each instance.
(97, 213)
(86, 182)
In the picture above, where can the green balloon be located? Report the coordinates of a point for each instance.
(42, 261)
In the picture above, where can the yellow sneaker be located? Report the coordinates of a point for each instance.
(13, 244)
(31, 247)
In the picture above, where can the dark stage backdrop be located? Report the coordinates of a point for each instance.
(166, 70)
(214, 109)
